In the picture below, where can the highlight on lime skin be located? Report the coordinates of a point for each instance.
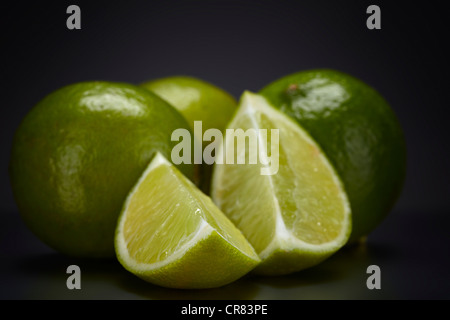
(189, 188)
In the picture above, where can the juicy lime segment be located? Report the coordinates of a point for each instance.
(173, 235)
(294, 218)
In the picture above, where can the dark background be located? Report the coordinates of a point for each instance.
(243, 45)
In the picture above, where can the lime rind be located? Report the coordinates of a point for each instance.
(358, 130)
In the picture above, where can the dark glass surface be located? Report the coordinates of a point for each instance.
(411, 249)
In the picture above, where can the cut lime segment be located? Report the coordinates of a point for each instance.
(171, 234)
(294, 218)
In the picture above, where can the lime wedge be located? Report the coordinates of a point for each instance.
(294, 218)
(171, 234)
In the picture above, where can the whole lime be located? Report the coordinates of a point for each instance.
(358, 131)
(197, 100)
(77, 154)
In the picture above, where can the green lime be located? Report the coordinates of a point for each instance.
(179, 239)
(77, 154)
(298, 215)
(197, 100)
(356, 129)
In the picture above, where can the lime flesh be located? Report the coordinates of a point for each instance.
(294, 218)
(171, 234)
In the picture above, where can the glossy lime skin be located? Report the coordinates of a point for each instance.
(196, 99)
(357, 130)
(77, 154)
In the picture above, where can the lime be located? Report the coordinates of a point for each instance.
(179, 239)
(357, 130)
(77, 154)
(297, 216)
(197, 100)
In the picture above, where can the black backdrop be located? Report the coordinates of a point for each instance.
(241, 45)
